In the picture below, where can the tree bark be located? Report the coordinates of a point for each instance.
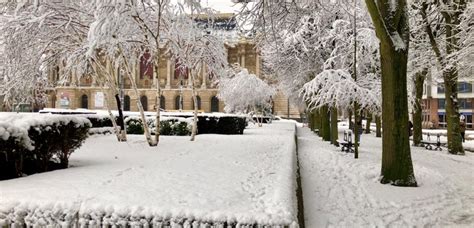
(334, 131)
(451, 16)
(195, 118)
(391, 26)
(121, 121)
(378, 127)
(325, 124)
(450, 76)
(368, 122)
(317, 120)
(417, 109)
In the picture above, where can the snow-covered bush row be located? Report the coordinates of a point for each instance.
(168, 125)
(101, 131)
(34, 139)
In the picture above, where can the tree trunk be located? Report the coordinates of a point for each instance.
(450, 76)
(150, 141)
(325, 124)
(121, 121)
(391, 26)
(417, 109)
(334, 131)
(158, 102)
(367, 123)
(378, 127)
(195, 119)
(351, 126)
(317, 120)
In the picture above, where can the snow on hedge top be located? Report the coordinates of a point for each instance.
(16, 125)
(238, 179)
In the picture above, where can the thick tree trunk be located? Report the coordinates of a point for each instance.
(452, 114)
(397, 167)
(391, 26)
(334, 132)
(325, 124)
(417, 109)
(450, 77)
(378, 127)
(317, 120)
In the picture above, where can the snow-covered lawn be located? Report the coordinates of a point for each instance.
(340, 191)
(244, 179)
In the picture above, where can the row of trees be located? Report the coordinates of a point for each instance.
(102, 39)
(357, 58)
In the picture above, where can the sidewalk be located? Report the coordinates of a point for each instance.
(341, 191)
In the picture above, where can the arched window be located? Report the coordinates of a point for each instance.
(144, 101)
(214, 104)
(178, 102)
(162, 102)
(84, 101)
(126, 103)
(146, 66)
(198, 99)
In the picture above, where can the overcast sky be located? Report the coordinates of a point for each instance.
(224, 6)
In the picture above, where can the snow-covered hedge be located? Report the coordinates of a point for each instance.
(34, 139)
(168, 125)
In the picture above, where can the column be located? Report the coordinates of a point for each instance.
(257, 64)
(242, 57)
(204, 77)
(168, 75)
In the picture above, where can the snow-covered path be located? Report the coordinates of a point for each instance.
(340, 191)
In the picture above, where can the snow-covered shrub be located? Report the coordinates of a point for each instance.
(180, 128)
(165, 127)
(34, 139)
(228, 125)
(134, 125)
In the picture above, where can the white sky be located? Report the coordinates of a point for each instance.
(223, 6)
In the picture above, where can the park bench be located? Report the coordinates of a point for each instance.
(347, 144)
(429, 145)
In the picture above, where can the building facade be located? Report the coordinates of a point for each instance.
(86, 93)
(434, 103)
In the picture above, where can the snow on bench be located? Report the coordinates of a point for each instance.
(221, 180)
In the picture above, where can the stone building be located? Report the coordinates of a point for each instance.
(176, 89)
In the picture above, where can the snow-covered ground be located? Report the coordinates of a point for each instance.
(246, 178)
(340, 191)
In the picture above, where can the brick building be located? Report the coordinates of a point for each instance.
(434, 113)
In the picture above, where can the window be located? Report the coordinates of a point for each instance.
(144, 101)
(126, 103)
(180, 72)
(464, 87)
(162, 102)
(441, 103)
(198, 100)
(178, 102)
(146, 66)
(465, 103)
(214, 104)
(84, 102)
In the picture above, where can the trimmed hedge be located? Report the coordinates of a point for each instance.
(174, 126)
(228, 125)
(44, 145)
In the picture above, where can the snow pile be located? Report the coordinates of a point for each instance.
(217, 180)
(16, 125)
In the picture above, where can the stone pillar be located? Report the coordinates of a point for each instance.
(242, 56)
(204, 77)
(168, 74)
(257, 64)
